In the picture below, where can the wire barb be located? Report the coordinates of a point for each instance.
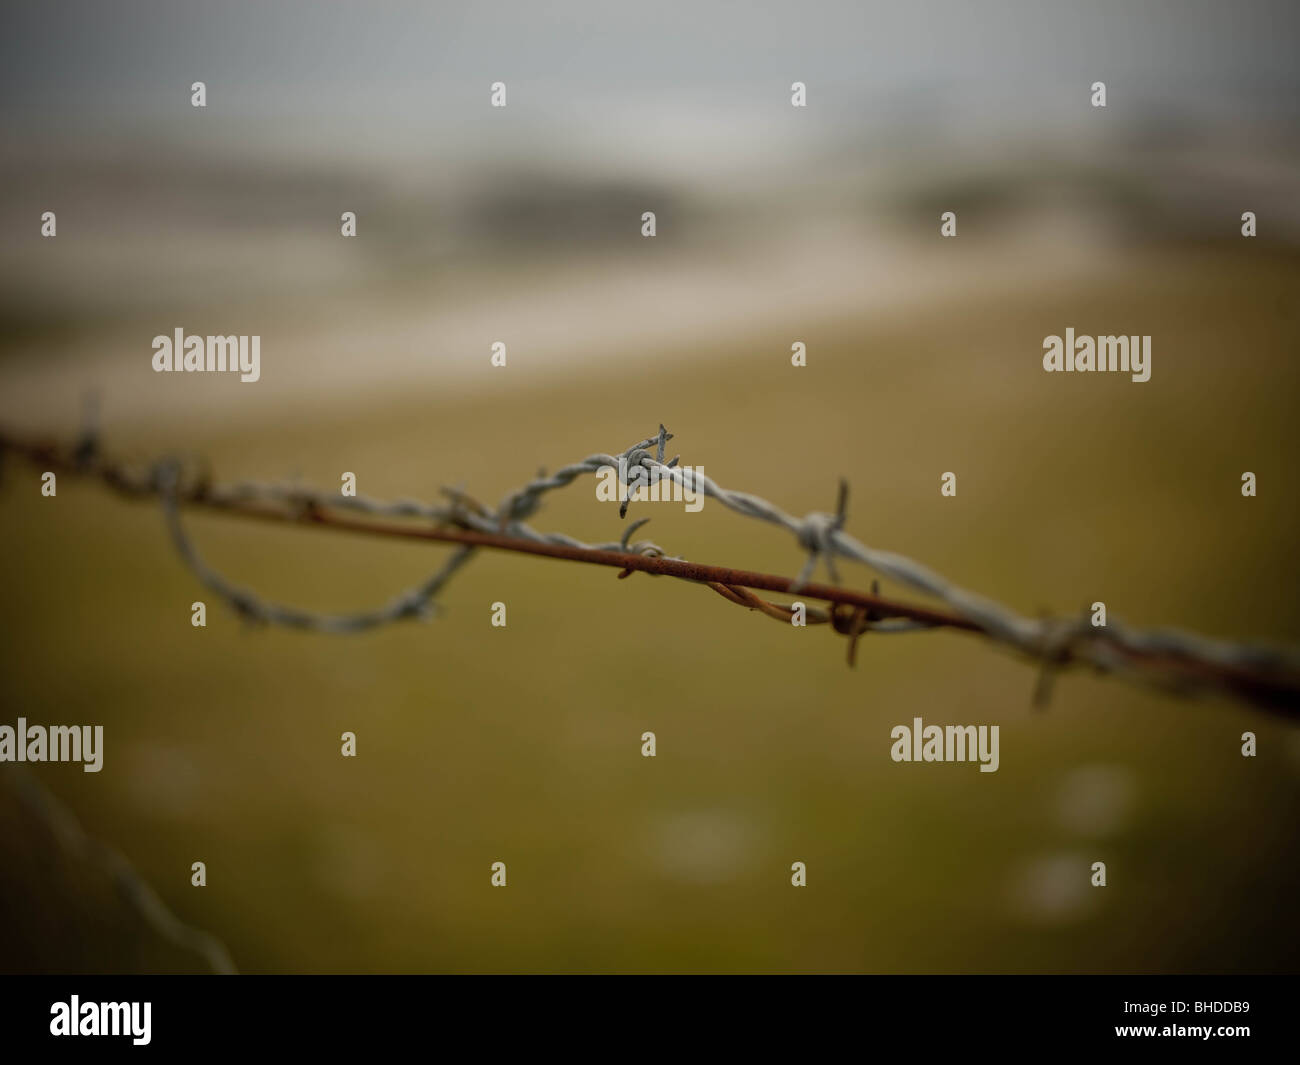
(1173, 659)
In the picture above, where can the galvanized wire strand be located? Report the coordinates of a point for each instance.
(417, 602)
(1267, 675)
(72, 840)
(1167, 656)
(821, 534)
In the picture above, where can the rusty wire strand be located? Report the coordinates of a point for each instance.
(1183, 661)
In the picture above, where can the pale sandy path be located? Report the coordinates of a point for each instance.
(370, 347)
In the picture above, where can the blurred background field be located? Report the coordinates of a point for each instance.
(479, 744)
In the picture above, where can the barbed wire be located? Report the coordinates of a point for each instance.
(68, 835)
(1171, 658)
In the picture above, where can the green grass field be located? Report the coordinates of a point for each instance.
(522, 744)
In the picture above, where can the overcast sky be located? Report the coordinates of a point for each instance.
(412, 78)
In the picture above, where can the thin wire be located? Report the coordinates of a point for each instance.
(72, 839)
(1175, 658)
